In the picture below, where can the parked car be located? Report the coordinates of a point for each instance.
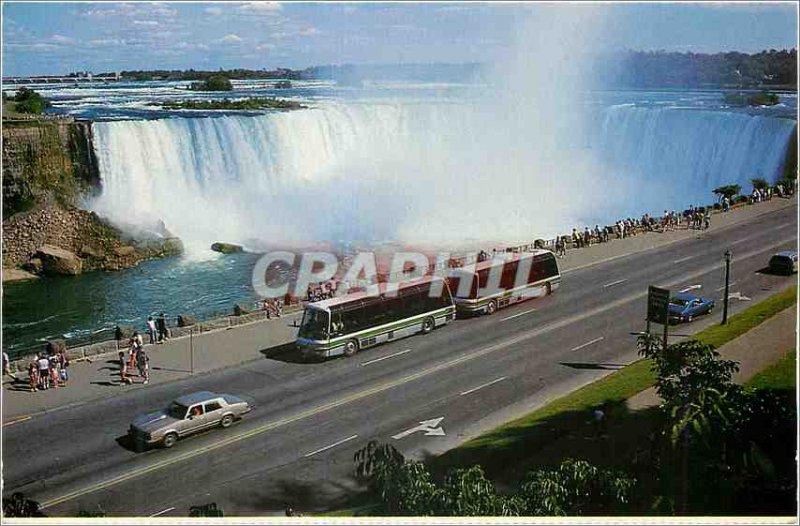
(687, 306)
(784, 262)
(186, 415)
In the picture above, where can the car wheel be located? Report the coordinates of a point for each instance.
(491, 307)
(170, 439)
(350, 348)
(689, 319)
(427, 325)
(226, 421)
(548, 289)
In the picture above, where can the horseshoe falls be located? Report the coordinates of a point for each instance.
(422, 171)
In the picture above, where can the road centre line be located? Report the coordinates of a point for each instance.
(18, 420)
(731, 284)
(359, 395)
(385, 357)
(517, 315)
(687, 258)
(482, 386)
(579, 347)
(156, 514)
(614, 283)
(320, 450)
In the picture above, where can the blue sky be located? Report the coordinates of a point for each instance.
(56, 38)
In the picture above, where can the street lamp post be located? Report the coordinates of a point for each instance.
(728, 257)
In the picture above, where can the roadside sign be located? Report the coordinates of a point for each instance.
(657, 305)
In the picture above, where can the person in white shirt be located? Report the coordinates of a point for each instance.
(151, 329)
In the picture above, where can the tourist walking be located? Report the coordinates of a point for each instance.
(63, 363)
(142, 364)
(151, 329)
(123, 369)
(54, 374)
(33, 374)
(560, 250)
(161, 324)
(44, 372)
(7, 366)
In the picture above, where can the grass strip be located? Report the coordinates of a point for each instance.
(782, 375)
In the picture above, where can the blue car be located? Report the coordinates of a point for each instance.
(687, 306)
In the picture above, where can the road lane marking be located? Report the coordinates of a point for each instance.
(691, 287)
(156, 514)
(516, 315)
(385, 357)
(431, 428)
(731, 284)
(482, 386)
(579, 347)
(687, 258)
(614, 283)
(320, 450)
(359, 395)
(17, 421)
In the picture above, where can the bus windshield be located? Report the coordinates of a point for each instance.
(314, 325)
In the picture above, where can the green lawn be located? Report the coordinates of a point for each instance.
(782, 375)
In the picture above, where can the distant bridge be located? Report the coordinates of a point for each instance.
(45, 79)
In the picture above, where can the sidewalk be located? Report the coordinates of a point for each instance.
(97, 377)
(754, 350)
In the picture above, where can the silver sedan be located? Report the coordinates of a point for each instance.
(186, 415)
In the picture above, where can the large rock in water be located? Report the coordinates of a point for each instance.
(59, 261)
(226, 248)
(185, 320)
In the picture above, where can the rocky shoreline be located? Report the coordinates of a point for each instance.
(53, 240)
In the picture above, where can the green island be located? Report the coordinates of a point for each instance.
(215, 83)
(255, 103)
(752, 99)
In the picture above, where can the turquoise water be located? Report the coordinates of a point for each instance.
(88, 307)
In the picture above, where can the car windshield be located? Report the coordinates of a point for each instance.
(176, 410)
(314, 325)
(679, 302)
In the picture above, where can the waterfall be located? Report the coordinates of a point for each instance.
(420, 171)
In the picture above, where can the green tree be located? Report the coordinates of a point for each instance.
(213, 83)
(728, 191)
(19, 506)
(29, 101)
(575, 488)
(759, 183)
(205, 510)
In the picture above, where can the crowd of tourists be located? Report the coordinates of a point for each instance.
(136, 359)
(271, 307)
(321, 291)
(46, 371)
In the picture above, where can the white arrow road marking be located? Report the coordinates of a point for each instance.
(385, 357)
(731, 284)
(615, 283)
(482, 386)
(579, 347)
(687, 258)
(691, 287)
(431, 428)
(518, 314)
(162, 512)
(320, 450)
(738, 296)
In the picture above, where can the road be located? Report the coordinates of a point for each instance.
(297, 445)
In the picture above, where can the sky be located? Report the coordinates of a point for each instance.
(58, 38)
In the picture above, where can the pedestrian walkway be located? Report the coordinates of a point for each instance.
(754, 350)
(97, 377)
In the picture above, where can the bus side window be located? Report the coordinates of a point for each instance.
(509, 275)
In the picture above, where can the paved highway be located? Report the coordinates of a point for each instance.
(298, 443)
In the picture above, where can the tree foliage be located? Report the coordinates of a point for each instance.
(29, 101)
(406, 487)
(728, 190)
(215, 83)
(19, 506)
(759, 183)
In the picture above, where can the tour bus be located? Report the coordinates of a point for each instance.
(524, 276)
(347, 324)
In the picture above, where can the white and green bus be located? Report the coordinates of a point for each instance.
(347, 324)
(493, 284)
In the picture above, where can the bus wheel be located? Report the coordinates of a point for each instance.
(548, 289)
(350, 348)
(427, 325)
(491, 307)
